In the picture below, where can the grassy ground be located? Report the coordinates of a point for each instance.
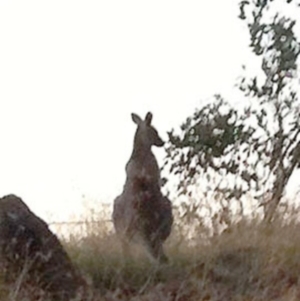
(249, 262)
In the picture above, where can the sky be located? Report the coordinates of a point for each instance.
(72, 72)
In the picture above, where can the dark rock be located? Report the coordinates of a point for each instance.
(31, 251)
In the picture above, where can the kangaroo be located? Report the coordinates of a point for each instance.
(141, 213)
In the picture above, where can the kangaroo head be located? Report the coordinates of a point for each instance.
(146, 135)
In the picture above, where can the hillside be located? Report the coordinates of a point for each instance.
(251, 261)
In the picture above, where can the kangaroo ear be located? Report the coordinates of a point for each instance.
(148, 118)
(136, 118)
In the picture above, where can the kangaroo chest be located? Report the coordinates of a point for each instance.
(143, 166)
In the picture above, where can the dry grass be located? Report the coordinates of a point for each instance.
(251, 261)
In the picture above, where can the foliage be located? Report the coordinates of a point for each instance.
(255, 147)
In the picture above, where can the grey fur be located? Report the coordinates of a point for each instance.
(141, 213)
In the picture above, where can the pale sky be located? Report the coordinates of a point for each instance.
(71, 72)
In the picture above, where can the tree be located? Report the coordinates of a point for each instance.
(259, 145)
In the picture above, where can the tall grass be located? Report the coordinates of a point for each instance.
(247, 261)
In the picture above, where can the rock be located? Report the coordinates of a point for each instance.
(32, 254)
